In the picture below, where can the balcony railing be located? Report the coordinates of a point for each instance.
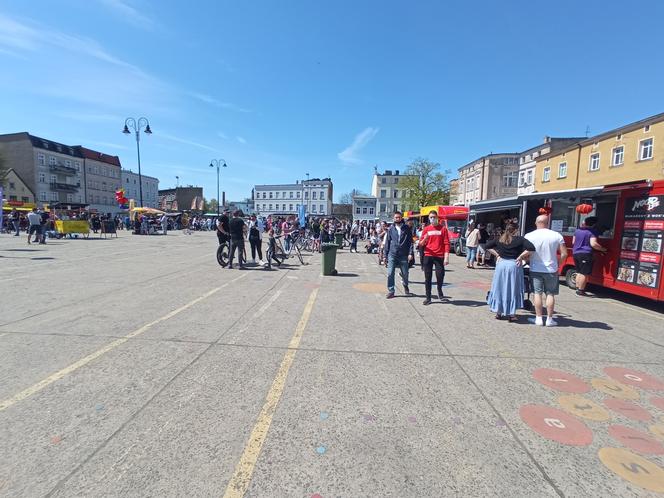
(61, 168)
(65, 187)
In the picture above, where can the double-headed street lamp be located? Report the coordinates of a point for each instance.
(219, 163)
(137, 126)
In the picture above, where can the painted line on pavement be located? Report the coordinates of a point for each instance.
(239, 482)
(26, 393)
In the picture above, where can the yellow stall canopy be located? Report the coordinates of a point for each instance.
(146, 210)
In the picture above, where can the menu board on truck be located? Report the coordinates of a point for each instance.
(641, 244)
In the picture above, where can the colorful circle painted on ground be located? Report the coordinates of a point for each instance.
(556, 425)
(657, 402)
(628, 409)
(636, 440)
(658, 430)
(635, 378)
(583, 407)
(614, 388)
(561, 381)
(633, 468)
(371, 288)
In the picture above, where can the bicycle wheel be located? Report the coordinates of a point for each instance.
(299, 255)
(222, 255)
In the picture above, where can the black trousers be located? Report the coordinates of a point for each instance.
(270, 256)
(256, 248)
(239, 245)
(429, 263)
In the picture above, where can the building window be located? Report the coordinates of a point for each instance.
(396, 208)
(510, 179)
(371, 210)
(522, 178)
(383, 180)
(42, 178)
(297, 194)
(357, 210)
(290, 194)
(383, 208)
(42, 196)
(645, 149)
(54, 179)
(529, 176)
(270, 196)
(322, 208)
(364, 210)
(313, 208)
(283, 196)
(264, 195)
(70, 198)
(54, 196)
(618, 156)
(562, 170)
(41, 159)
(383, 194)
(290, 207)
(12, 198)
(68, 163)
(51, 160)
(270, 207)
(276, 195)
(646, 128)
(322, 196)
(313, 195)
(396, 194)
(546, 174)
(306, 194)
(283, 206)
(594, 162)
(25, 199)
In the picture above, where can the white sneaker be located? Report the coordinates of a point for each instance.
(539, 321)
(550, 322)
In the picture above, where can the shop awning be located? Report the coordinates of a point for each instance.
(556, 194)
(493, 205)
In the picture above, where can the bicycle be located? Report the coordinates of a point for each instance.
(287, 254)
(224, 251)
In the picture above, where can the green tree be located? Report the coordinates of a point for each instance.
(347, 198)
(211, 206)
(425, 185)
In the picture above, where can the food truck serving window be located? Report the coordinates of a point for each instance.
(605, 210)
(563, 215)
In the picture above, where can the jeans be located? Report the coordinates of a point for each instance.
(471, 254)
(392, 263)
(16, 227)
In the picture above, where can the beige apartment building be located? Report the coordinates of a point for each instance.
(102, 179)
(493, 176)
(387, 189)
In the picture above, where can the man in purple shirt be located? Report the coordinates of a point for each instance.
(584, 241)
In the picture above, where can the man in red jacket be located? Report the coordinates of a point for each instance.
(435, 241)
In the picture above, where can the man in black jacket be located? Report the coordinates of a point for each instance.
(398, 252)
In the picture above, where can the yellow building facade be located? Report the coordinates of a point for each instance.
(629, 153)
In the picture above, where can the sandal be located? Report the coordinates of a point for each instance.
(499, 316)
(512, 319)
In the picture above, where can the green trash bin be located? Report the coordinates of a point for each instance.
(339, 239)
(329, 253)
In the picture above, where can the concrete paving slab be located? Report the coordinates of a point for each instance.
(388, 425)
(188, 440)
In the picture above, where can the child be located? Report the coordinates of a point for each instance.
(271, 249)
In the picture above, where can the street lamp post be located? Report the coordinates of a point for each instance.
(137, 126)
(308, 194)
(219, 163)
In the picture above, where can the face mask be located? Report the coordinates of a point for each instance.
(433, 220)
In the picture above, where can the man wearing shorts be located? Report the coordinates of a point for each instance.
(544, 264)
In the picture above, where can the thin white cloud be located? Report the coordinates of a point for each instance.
(91, 117)
(108, 144)
(207, 99)
(129, 13)
(241, 140)
(221, 134)
(184, 141)
(349, 154)
(16, 36)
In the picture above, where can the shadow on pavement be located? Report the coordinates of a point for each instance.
(41, 258)
(346, 275)
(466, 302)
(24, 250)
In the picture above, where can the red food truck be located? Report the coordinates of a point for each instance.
(630, 225)
(454, 217)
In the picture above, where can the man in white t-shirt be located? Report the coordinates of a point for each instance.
(544, 264)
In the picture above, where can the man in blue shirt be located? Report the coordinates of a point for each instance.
(398, 250)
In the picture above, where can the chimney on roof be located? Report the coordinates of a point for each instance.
(388, 172)
(547, 139)
(396, 172)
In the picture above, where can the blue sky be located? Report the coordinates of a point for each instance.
(281, 89)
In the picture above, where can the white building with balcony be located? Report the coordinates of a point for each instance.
(285, 199)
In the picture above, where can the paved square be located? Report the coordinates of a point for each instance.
(138, 366)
